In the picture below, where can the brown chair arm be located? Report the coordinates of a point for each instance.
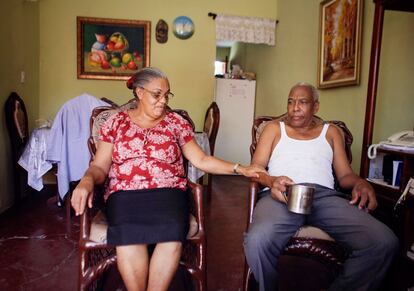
(253, 191)
(85, 224)
(197, 197)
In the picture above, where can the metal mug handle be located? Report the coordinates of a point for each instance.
(284, 193)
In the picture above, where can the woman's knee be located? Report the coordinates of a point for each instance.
(169, 248)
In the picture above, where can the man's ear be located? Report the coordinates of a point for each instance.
(315, 107)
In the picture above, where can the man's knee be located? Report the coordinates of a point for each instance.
(259, 241)
(384, 240)
(389, 243)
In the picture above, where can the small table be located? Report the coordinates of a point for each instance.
(202, 140)
(33, 159)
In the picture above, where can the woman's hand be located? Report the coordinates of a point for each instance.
(279, 186)
(251, 171)
(82, 195)
(363, 194)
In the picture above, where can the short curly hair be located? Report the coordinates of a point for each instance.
(315, 93)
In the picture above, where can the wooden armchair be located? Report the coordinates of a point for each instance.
(18, 129)
(211, 127)
(96, 256)
(311, 255)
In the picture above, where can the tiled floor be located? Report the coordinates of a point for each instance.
(35, 253)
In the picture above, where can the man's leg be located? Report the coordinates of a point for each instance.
(373, 245)
(273, 225)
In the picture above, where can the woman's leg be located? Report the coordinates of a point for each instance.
(132, 263)
(164, 263)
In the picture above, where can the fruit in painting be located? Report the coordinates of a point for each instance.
(105, 65)
(132, 65)
(126, 58)
(115, 62)
(119, 45)
(110, 46)
(117, 42)
(94, 59)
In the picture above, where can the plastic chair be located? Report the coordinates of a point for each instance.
(96, 256)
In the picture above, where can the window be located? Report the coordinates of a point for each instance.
(219, 68)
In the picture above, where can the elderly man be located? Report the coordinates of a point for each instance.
(303, 150)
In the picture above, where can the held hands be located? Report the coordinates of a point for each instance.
(363, 193)
(80, 196)
(251, 171)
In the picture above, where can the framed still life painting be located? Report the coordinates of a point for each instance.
(111, 48)
(339, 43)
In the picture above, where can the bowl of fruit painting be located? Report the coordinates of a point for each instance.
(112, 48)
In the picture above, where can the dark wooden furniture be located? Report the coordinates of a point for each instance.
(380, 7)
(312, 259)
(211, 127)
(211, 124)
(96, 257)
(400, 221)
(387, 197)
(18, 129)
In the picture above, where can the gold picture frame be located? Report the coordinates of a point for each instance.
(339, 43)
(111, 48)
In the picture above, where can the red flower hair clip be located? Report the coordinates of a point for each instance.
(130, 82)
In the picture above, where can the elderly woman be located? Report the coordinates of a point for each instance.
(140, 150)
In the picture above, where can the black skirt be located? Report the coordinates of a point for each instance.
(147, 216)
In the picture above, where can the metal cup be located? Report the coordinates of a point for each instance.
(299, 198)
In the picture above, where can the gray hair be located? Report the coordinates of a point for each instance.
(144, 76)
(315, 93)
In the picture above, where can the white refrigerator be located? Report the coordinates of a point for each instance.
(236, 100)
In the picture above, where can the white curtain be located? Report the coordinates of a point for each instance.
(245, 29)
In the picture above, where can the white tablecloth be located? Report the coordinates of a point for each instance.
(193, 173)
(33, 159)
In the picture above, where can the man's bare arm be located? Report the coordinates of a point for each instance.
(362, 192)
(265, 145)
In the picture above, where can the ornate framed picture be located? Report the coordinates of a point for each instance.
(111, 48)
(339, 43)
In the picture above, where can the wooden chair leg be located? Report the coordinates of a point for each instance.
(68, 214)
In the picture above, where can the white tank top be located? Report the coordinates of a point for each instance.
(304, 161)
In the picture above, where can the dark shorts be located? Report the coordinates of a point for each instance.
(147, 216)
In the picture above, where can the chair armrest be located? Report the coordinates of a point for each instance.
(196, 206)
(85, 224)
(253, 191)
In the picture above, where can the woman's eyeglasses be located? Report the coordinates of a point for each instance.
(158, 95)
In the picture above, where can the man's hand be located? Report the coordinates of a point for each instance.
(363, 194)
(279, 186)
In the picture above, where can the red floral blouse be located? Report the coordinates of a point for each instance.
(146, 158)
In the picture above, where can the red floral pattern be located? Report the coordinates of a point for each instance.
(146, 158)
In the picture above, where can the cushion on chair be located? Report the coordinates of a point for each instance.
(104, 116)
(99, 227)
(312, 232)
